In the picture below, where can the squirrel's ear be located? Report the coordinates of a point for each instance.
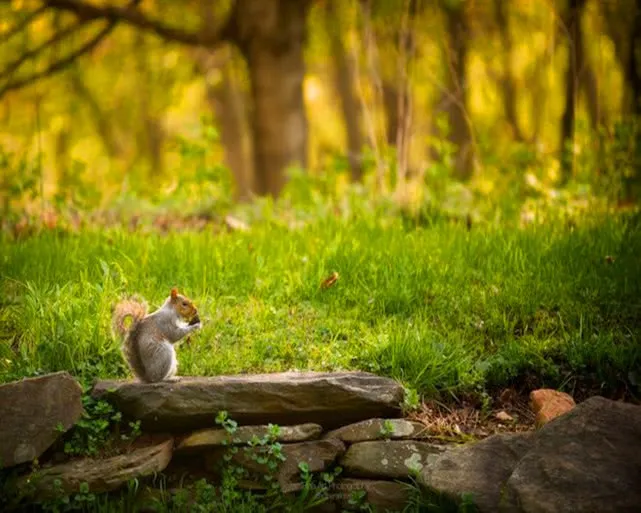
(174, 293)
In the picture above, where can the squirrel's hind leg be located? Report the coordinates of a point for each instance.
(161, 363)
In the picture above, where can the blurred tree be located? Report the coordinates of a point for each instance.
(453, 100)
(345, 87)
(623, 26)
(407, 54)
(508, 84)
(394, 29)
(105, 129)
(269, 33)
(634, 64)
(227, 104)
(574, 71)
(152, 136)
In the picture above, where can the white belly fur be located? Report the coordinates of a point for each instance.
(174, 361)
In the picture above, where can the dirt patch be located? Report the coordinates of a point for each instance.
(468, 420)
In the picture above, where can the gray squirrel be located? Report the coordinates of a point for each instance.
(148, 344)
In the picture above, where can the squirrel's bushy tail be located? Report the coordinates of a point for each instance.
(134, 308)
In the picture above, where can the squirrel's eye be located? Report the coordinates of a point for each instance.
(184, 303)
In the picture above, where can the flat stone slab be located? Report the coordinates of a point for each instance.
(328, 399)
(317, 454)
(391, 459)
(209, 438)
(34, 412)
(379, 429)
(382, 495)
(101, 475)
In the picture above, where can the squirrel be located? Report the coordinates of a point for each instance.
(148, 344)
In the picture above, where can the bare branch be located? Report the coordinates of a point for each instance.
(86, 12)
(134, 17)
(34, 52)
(22, 24)
(59, 65)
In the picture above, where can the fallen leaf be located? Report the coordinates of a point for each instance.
(330, 280)
(504, 416)
(235, 224)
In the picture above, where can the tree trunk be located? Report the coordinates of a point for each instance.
(153, 134)
(106, 131)
(508, 83)
(634, 63)
(454, 100)
(572, 79)
(407, 50)
(590, 87)
(622, 23)
(391, 95)
(344, 80)
(271, 36)
(226, 102)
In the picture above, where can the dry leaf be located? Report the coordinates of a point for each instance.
(504, 416)
(330, 280)
(235, 224)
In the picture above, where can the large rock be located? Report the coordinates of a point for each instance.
(208, 438)
(379, 429)
(478, 468)
(391, 459)
(34, 412)
(101, 475)
(328, 399)
(318, 454)
(586, 460)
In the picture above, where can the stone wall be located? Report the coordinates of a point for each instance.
(583, 458)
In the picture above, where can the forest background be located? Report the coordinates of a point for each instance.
(470, 169)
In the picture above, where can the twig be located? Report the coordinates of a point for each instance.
(33, 53)
(61, 64)
(134, 17)
(22, 24)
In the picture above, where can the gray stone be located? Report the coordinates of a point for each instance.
(101, 475)
(382, 495)
(318, 454)
(477, 468)
(379, 429)
(328, 399)
(391, 459)
(34, 412)
(587, 460)
(208, 438)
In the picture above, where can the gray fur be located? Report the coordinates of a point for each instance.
(165, 318)
(149, 345)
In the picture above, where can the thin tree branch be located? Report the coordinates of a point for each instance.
(61, 64)
(18, 27)
(33, 53)
(134, 17)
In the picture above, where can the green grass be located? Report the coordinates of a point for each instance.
(439, 307)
